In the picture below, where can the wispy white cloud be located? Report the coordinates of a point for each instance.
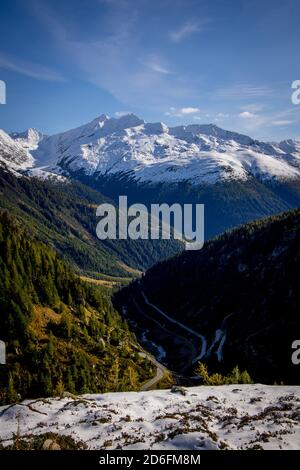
(116, 58)
(253, 107)
(245, 91)
(187, 28)
(158, 68)
(114, 65)
(118, 62)
(282, 122)
(252, 121)
(180, 112)
(223, 115)
(30, 69)
(119, 114)
(156, 63)
(189, 110)
(220, 117)
(247, 115)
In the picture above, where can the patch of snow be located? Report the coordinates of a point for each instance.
(207, 417)
(46, 174)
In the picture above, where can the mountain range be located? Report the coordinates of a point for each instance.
(154, 152)
(236, 177)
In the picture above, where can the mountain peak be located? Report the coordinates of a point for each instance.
(30, 132)
(98, 122)
(113, 124)
(130, 120)
(28, 139)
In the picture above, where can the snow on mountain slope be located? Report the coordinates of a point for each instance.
(152, 152)
(13, 155)
(29, 139)
(16, 155)
(223, 417)
(78, 147)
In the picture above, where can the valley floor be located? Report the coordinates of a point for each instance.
(200, 418)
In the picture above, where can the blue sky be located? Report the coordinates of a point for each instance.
(229, 62)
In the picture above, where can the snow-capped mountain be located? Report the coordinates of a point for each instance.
(13, 154)
(29, 139)
(16, 154)
(154, 152)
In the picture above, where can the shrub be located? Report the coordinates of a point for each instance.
(234, 377)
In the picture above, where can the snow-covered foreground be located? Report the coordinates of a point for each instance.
(225, 417)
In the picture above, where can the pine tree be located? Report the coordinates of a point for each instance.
(50, 346)
(46, 383)
(12, 395)
(245, 378)
(66, 325)
(70, 382)
(113, 377)
(59, 389)
(130, 379)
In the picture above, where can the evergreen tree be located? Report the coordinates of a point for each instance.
(12, 395)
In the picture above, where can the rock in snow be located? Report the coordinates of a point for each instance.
(151, 152)
(224, 417)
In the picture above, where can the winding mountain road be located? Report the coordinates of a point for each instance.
(170, 319)
(161, 371)
(196, 355)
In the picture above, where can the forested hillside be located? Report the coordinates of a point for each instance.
(61, 333)
(240, 292)
(63, 215)
(227, 203)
